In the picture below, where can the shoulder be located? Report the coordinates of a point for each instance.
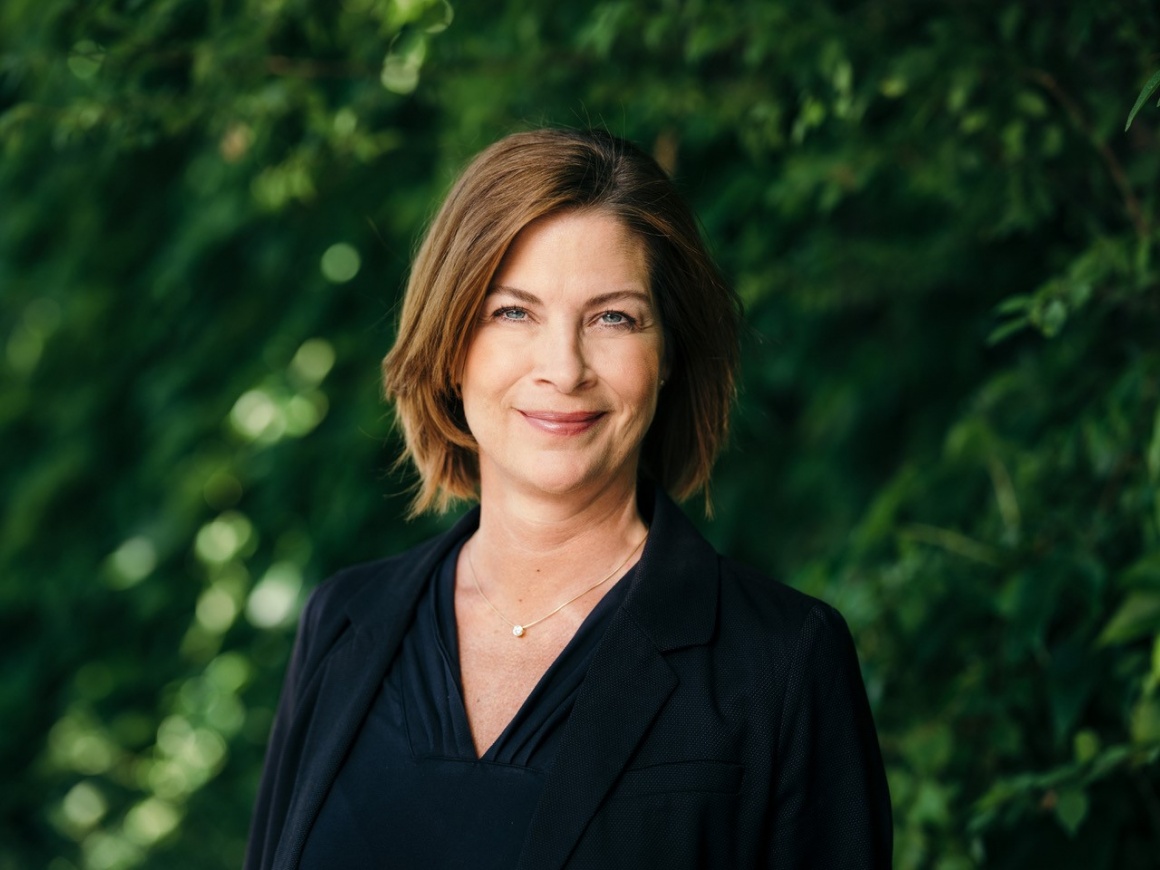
(332, 595)
(375, 593)
(326, 616)
(357, 584)
(779, 637)
(784, 614)
(689, 595)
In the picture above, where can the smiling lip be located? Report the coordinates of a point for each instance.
(556, 423)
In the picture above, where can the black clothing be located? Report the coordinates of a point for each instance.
(412, 792)
(722, 722)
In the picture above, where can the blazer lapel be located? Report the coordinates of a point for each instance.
(351, 675)
(349, 679)
(626, 685)
(672, 604)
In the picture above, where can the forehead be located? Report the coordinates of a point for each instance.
(575, 248)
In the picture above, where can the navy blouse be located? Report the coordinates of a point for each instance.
(412, 792)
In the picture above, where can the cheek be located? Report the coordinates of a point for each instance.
(639, 378)
(491, 370)
(485, 369)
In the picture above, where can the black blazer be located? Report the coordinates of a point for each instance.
(722, 723)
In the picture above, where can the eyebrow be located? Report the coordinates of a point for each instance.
(533, 299)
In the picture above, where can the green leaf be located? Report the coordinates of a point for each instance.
(1137, 616)
(1071, 808)
(1087, 745)
(1051, 317)
(1145, 721)
(1004, 330)
(400, 73)
(437, 17)
(931, 804)
(1144, 573)
(1149, 89)
(1014, 304)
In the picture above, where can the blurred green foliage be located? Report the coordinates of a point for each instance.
(949, 426)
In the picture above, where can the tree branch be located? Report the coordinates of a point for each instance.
(1115, 168)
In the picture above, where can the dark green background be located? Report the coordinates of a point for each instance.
(948, 425)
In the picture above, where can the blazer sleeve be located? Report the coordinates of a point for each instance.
(832, 802)
(281, 768)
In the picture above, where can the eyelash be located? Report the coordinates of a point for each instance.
(628, 322)
(500, 313)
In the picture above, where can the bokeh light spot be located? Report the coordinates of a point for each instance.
(256, 416)
(236, 142)
(229, 672)
(305, 412)
(84, 805)
(313, 360)
(345, 121)
(220, 540)
(132, 562)
(168, 779)
(216, 609)
(273, 601)
(207, 750)
(75, 743)
(194, 753)
(91, 753)
(151, 820)
(340, 263)
(105, 851)
(225, 713)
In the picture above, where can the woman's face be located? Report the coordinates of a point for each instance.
(561, 378)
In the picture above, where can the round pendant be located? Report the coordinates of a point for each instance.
(518, 630)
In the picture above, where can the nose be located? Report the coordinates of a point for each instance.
(561, 359)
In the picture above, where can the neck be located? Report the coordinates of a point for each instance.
(531, 550)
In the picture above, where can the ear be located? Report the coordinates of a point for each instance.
(667, 359)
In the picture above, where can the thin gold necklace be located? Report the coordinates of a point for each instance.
(517, 629)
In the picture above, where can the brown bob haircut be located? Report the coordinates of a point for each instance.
(519, 179)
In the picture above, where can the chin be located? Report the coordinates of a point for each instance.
(562, 484)
(570, 480)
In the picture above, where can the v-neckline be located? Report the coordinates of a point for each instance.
(573, 659)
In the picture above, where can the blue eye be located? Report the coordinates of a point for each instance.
(511, 314)
(616, 318)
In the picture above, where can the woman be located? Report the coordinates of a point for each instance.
(571, 677)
